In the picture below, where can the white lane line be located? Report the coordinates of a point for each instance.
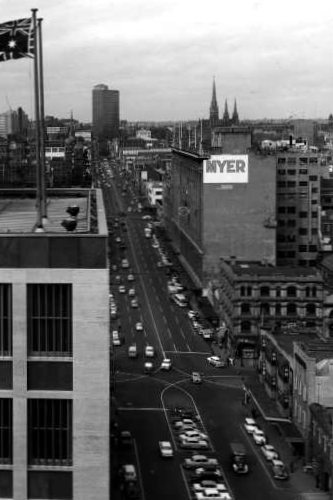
(169, 333)
(186, 483)
(183, 335)
(177, 320)
(160, 307)
(188, 347)
(165, 320)
(139, 470)
(174, 345)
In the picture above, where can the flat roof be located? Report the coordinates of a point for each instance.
(318, 349)
(18, 212)
(255, 268)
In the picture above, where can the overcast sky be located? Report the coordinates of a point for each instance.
(274, 56)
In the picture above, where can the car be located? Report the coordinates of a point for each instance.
(196, 378)
(125, 439)
(148, 367)
(209, 483)
(115, 338)
(139, 326)
(186, 427)
(216, 361)
(250, 425)
(155, 244)
(114, 267)
(131, 292)
(132, 351)
(149, 351)
(193, 433)
(192, 314)
(146, 217)
(279, 470)
(128, 472)
(134, 303)
(166, 364)
(118, 279)
(269, 452)
(210, 473)
(130, 277)
(212, 493)
(259, 436)
(124, 264)
(199, 461)
(122, 289)
(166, 450)
(179, 424)
(118, 239)
(194, 444)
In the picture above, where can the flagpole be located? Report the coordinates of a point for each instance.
(42, 125)
(37, 120)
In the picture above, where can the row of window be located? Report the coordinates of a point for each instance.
(49, 319)
(292, 209)
(291, 309)
(304, 171)
(293, 184)
(302, 231)
(49, 431)
(292, 160)
(266, 291)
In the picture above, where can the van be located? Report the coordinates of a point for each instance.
(132, 351)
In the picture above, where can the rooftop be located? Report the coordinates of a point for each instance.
(318, 349)
(259, 269)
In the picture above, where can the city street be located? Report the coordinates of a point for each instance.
(145, 401)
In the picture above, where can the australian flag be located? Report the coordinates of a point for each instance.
(16, 39)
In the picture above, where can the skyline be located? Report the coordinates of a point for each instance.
(275, 62)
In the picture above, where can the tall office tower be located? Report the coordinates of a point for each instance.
(298, 208)
(105, 112)
(214, 109)
(54, 348)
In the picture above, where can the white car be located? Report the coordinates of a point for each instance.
(149, 351)
(131, 292)
(122, 289)
(194, 433)
(166, 364)
(130, 277)
(155, 244)
(139, 326)
(179, 424)
(194, 444)
(124, 264)
(146, 217)
(165, 449)
(259, 437)
(212, 494)
(208, 483)
(192, 314)
(250, 425)
(134, 303)
(216, 361)
(118, 239)
(199, 461)
(269, 452)
(279, 470)
(115, 338)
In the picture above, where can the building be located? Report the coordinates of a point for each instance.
(298, 208)
(54, 348)
(105, 112)
(208, 221)
(154, 193)
(249, 296)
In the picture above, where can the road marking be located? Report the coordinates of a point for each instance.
(169, 333)
(181, 331)
(139, 470)
(177, 320)
(186, 482)
(174, 345)
(164, 319)
(188, 347)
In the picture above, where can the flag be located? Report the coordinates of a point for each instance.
(16, 39)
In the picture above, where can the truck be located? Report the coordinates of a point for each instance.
(238, 458)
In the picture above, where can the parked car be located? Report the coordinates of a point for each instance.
(269, 452)
(139, 326)
(179, 424)
(134, 303)
(208, 483)
(250, 425)
(122, 289)
(196, 378)
(216, 361)
(259, 436)
(166, 364)
(149, 351)
(199, 461)
(279, 470)
(193, 444)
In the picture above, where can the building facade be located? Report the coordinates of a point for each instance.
(54, 349)
(105, 112)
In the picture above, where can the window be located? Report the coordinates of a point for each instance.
(245, 326)
(312, 248)
(314, 215)
(5, 320)
(291, 161)
(314, 291)
(50, 319)
(291, 223)
(264, 291)
(303, 161)
(314, 190)
(249, 291)
(303, 183)
(278, 292)
(291, 184)
(302, 248)
(303, 231)
(278, 309)
(242, 291)
(281, 161)
(291, 291)
(245, 308)
(303, 171)
(6, 431)
(291, 309)
(302, 262)
(281, 172)
(281, 210)
(281, 223)
(291, 210)
(310, 309)
(314, 202)
(313, 177)
(49, 432)
(281, 184)
(291, 172)
(303, 215)
(313, 160)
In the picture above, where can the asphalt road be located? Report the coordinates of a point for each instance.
(145, 402)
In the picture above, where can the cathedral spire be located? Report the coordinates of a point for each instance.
(226, 117)
(235, 117)
(214, 109)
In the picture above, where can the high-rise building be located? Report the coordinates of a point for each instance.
(105, 112)
(54, 348)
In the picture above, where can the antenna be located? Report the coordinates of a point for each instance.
(8, 103)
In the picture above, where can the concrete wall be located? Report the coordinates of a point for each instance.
(90, 376)
(234, 216)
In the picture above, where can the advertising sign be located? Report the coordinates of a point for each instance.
(226, 169)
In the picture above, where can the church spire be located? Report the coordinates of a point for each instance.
(226, 117)
(214, 109)
(235, 117)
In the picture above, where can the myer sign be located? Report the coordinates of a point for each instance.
(226, 169)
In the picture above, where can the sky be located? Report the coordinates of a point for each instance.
(275, 57)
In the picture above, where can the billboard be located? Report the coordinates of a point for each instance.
(226, 169)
